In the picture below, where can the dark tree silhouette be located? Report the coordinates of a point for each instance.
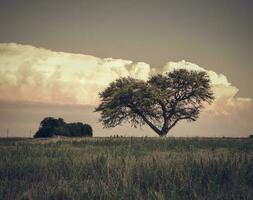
(50, 126)
(160, 102)
(79, 129)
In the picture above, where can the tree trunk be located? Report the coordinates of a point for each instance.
(163, 134)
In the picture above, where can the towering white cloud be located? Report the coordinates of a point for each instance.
(226, 101)
(34, 74)
(221, 86)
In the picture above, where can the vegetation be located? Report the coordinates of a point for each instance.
(50, 126)
(126, 168)
(161, 102)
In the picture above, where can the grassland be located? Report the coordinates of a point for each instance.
(126, 168)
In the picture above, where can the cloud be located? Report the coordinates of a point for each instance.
(222, 87)
(229, 115)
(226, 100)
(39, 75)
(35, 74)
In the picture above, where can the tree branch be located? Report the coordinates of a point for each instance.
(149, 123)
(174, 123)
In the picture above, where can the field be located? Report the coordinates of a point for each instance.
(126, 168)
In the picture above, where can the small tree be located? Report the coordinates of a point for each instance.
(160, 102)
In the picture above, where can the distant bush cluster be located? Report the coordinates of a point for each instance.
(50, 126)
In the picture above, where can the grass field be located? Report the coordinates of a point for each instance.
(126, 168)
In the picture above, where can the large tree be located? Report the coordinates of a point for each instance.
(160, 102)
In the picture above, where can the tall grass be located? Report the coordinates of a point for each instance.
(126, 168)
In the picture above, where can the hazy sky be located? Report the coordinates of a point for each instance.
(216, 33)
(143, 35)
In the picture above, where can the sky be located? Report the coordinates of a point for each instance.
(56, 56)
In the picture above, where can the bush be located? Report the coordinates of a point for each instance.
(50, 126)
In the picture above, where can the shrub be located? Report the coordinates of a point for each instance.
(50, 126)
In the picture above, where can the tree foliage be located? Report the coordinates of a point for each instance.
(160, 102)
(50, 126)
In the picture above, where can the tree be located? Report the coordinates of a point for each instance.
(50, 126)
(160, 102)
(79, 129)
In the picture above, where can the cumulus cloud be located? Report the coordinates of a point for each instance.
(35, 74)
(226, 101)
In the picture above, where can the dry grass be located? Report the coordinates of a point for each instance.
(126, 168)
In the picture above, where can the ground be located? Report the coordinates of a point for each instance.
(126, 168)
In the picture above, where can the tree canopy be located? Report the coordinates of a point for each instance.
(160, 102)
(50, 126)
